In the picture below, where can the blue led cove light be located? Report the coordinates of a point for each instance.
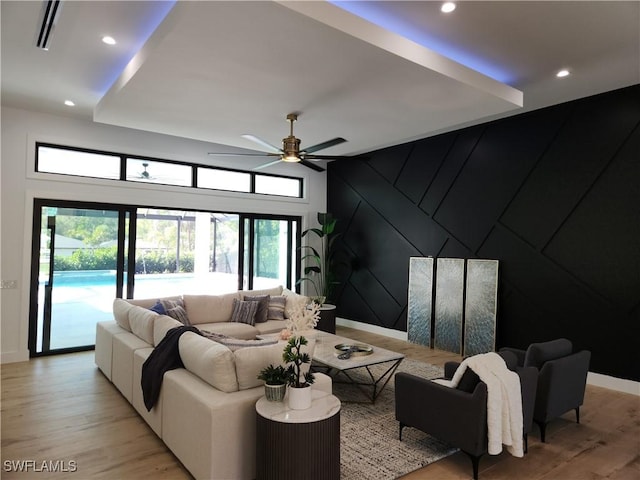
(375, 13)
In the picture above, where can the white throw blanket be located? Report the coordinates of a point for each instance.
(504, 401)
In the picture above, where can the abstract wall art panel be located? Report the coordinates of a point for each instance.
(449, 304)
(481, 305)
(420, 300)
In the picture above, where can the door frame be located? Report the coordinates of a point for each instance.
(34, 279)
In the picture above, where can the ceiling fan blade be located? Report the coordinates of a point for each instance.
(323, 145)
(265, 165)
(312, 166)
(264, 143)
(326, 157)
(265, 154)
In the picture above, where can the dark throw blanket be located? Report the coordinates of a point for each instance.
(164, 357)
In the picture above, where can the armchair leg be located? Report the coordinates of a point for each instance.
(475, 462)
(526, 443)
(400, 431)
(577, 414)
(543, 427)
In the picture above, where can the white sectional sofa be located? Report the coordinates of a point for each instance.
(206, 411)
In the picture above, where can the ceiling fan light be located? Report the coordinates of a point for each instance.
(290, 157)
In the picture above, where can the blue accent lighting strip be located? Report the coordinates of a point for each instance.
(375, 13)
(156, 16)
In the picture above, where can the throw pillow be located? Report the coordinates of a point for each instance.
(244, 311)
(158, 308)
(263, 307)
(175, 309)
(234, 344)
(276, 308)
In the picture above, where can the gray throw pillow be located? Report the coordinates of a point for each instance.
(276, 307)
(175, 309)
(244, 311)
(263, 307)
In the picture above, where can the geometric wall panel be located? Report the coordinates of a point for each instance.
(552, 194)
(419, 304)
(449, 304)
(480, 306)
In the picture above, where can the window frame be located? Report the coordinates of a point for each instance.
(124, 157)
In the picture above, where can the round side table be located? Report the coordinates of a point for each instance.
(295, 444)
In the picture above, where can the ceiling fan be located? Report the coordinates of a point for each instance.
(290, 151)
(144, 174)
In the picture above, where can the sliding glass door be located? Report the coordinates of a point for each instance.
(76, 252)
(86, 254)
(269, 252)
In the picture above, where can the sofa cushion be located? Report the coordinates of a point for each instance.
(150, 302)
(538, 353)
(293, 300)
(271, 326)
(244, 312)
(161, 326)
(276, 307)
(265, 291)
(121, 313)
(209, 308)
(211, 361)
(249, 361)
(141, 321)
(262, 311)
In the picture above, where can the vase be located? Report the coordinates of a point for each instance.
(300, 397)
(275, 393)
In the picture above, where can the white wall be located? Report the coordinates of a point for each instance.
(20, 185)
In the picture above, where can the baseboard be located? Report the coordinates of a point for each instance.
(365, 327)
(13, 357)
(595, 379)
(613, 383)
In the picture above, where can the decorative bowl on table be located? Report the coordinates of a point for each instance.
(345, 350)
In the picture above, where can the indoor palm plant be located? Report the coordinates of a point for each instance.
(320, 262)
(299, 381)
(275, 382)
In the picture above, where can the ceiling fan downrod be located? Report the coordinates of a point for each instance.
(291, 144)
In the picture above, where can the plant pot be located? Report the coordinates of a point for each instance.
(275, 393)
(327, 322)
(300, 397)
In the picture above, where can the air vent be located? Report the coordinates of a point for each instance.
(51, 10)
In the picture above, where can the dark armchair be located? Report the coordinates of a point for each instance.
(562, 378)
(457, 416)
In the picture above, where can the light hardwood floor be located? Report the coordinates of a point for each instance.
(62, 409)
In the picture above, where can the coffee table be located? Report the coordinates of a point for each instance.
(325, 360)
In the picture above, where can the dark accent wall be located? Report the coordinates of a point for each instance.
(553, 194)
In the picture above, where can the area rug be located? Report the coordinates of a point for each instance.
(369, 445)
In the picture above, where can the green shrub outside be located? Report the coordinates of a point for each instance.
(105, 259)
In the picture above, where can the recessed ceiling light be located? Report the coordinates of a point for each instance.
(562, 73)
(448, 7)
(69, 103)
(108, 40)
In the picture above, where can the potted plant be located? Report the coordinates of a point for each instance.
(299, 381)
(275, 382)
(319, 271)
